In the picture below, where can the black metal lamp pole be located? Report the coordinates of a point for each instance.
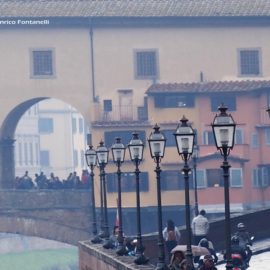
(224, 131)
(136, 147)
(91, 160)
(102, 157)
(184, 136)
(194, 158)
(101, 231)
(268, 111)
(157, 142)
(118, 152)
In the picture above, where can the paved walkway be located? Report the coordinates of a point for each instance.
(258, 247)
(261, 246)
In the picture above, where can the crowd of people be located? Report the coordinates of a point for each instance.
(41, 181)
(176, 258)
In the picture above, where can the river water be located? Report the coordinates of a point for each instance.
(18, 252)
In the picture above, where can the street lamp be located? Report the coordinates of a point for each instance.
(224, 130)
(91, 160)
(195, 158)
(184, 136)
(102, 157)
(157, 142)
(268, 111)
(136, 147)
(118, 153)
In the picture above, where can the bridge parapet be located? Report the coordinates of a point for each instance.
(61, 215)
(38, 199)
(93, 257)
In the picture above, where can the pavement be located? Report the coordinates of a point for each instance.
(258, 247)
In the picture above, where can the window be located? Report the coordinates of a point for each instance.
(146, 64)
(45, 158)
(170, 137)
(128, 182)
(42, 63)
(37, 153)
(173, 180)
(265, 174)
(25, 154)
(45, 125)
(20, 153)
(74, 125)
(255, 177)
(201, 178)
(107, 105)
(75, 158)
(31, 154)
(249, 62)
(260, 177)
(239, 136)
(80, 125)
(254, 140)
(174, 101)
(227, 100)
(214, 178)
(236, 178)
(208, 138)
(82, 158)
(267, 135)
(125, 136)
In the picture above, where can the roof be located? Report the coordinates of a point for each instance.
(208, 87)
(134, 8)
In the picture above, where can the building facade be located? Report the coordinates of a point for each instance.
(39, 129)
(106, 58)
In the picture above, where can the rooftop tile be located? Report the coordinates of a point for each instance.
(216, 86)
(134, 8)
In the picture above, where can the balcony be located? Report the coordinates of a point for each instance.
(120, 114)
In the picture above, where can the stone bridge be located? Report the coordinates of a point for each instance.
(60, 215)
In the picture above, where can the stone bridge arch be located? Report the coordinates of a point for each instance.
(7, 133)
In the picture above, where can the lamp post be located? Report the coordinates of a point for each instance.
(224, 130)
(102, 157)
(195, 158)
(184, 136)
(118, 153)
(268, 111)
(136, 147)
(91, 160)
(157, 142)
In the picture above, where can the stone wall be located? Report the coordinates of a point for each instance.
(95, 257)
(61, 215)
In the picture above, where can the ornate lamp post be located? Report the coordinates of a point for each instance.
(136, 147)
(157, 142)
(102, 157)
(184, 136)
(195, 158)
(224, 130)
(91, 160)
(118, 153)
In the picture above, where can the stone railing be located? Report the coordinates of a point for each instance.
(93, 257)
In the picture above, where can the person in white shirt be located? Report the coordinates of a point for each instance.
(200, 227)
